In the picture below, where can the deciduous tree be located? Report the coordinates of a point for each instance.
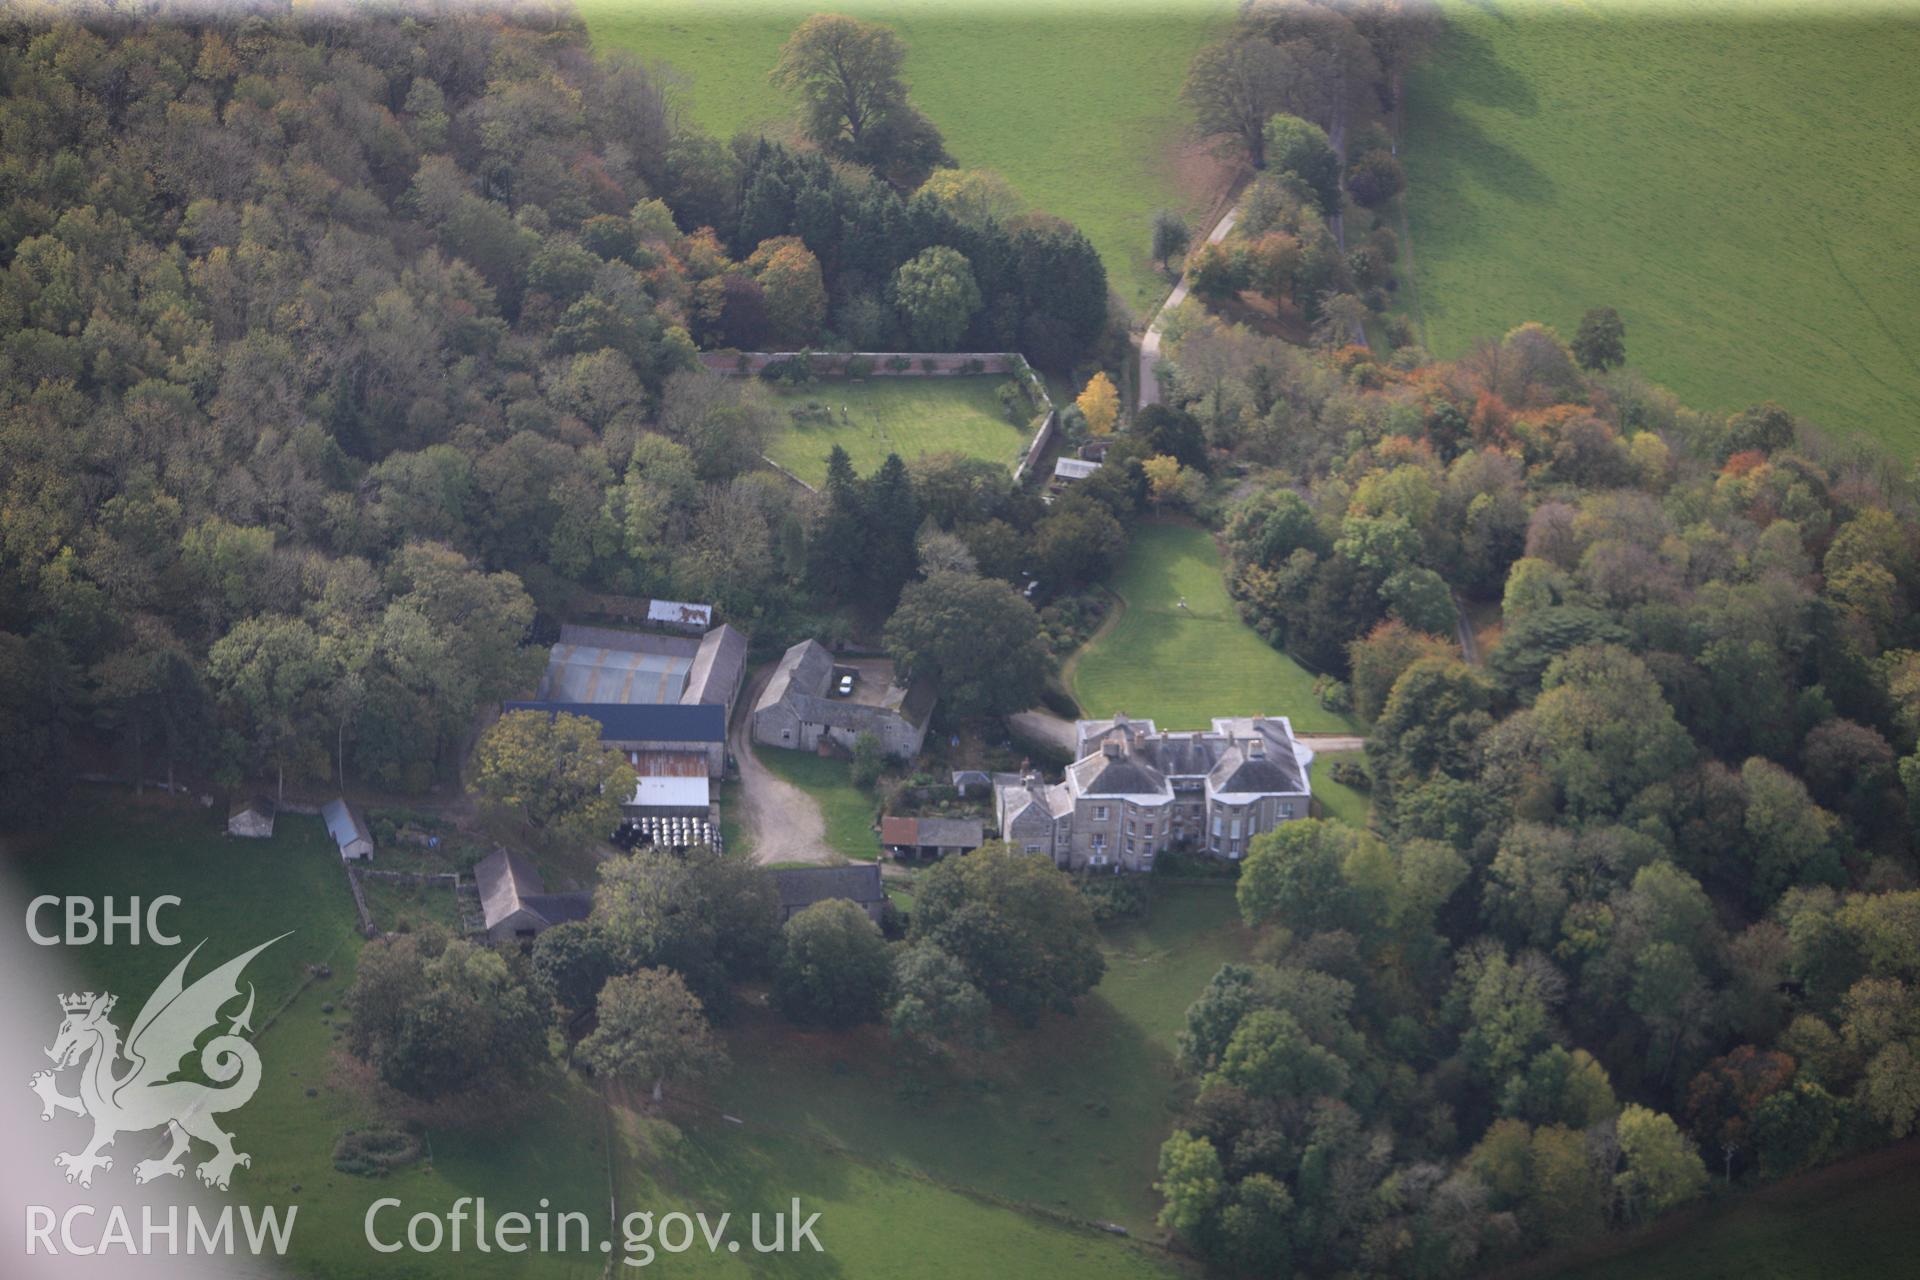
(834, 969)
(977, 638)
(1600, 343)
(1236, 86)
(854, 101)
(1023, 932)
(934, 1003)
(436, 1016)
(1300, 147)
(551, 771)
(1099, 403)
(937, 297)
(651, 1029)
(1170, 236)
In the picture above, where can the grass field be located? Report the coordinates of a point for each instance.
(1740, 188)
(1182, 666)
(847, 810)
(1819, 1228)
(1081, 115)
(907, 416)
(1069, 1117)
(561, 1142)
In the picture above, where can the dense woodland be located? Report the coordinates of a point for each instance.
(1637, 907)
(339, 351)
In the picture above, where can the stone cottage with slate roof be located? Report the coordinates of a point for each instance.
(515, 901)
(1134, 792)
(801, 704)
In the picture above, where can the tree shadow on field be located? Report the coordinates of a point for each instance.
(1493, 10)
(1470, 72)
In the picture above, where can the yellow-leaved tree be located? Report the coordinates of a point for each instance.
(1100, 404)
(1163, 478)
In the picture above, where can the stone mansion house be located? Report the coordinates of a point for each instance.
(1134, 791)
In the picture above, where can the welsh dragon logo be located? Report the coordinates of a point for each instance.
(146, 1094)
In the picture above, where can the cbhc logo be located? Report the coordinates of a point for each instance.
(83, 927)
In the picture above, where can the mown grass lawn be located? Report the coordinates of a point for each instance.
(1069, 1116)
(1179, 654)
(1739, 186)
(1079, 110)
(1339, 802)
(559, 1143)
(909, 416)
(1157, 966)
(847, 810)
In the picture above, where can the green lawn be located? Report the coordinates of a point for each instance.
(908, 416)
(733, 832)
(1859, 1228)
(1157, 966)
(875, 1222)
(234, 893)
(1740, 188)
(560, 1143)
(1337, 801)
(1182, 666)
(1068, 1117)
(1080, 112)
(399, 907)
(848, 811)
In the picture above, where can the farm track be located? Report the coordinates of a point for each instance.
(782, 821)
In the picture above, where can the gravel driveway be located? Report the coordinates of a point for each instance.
(783, 821)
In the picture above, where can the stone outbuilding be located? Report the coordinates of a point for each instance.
(803, 703)
(251, 818)
(801, 887)
(514, 899)
(931, 837)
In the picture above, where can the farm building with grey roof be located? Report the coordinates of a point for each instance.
(802, 706)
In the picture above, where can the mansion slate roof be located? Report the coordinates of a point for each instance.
(1237, 773)
(1018, 794)
(1238, 756)
(1103, 775)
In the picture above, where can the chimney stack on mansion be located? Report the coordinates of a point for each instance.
(1134, 791)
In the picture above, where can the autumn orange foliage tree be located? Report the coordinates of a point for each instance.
(1100, 404)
